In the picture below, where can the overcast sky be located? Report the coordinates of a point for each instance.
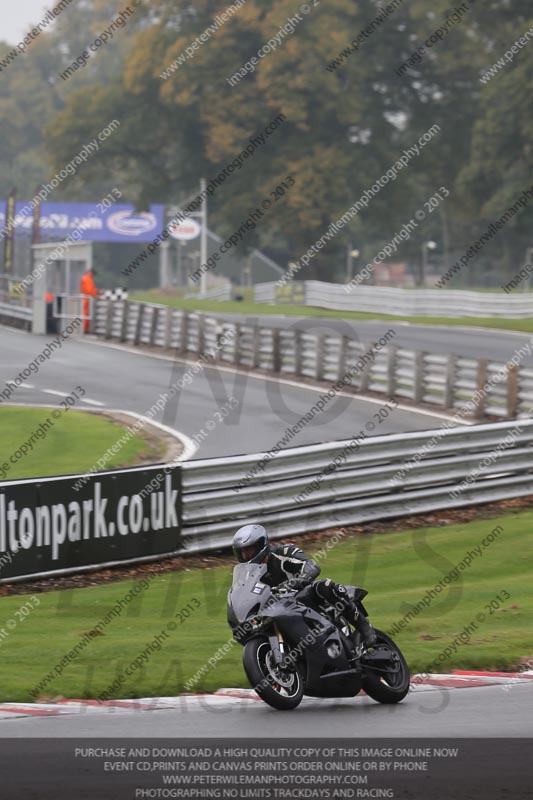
(19, 16)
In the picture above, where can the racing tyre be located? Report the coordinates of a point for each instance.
(385, 681)
(281, 689)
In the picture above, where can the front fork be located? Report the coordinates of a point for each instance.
(277, 645)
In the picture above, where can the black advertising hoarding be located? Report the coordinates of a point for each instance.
(54, 524)
(9, 240)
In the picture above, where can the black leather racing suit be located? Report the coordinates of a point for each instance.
(289, 564)
(286, 562)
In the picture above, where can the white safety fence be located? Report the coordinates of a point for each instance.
(402, 302)
(445, 381)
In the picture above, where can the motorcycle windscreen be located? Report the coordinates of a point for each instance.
(246, 574)
(248, 592)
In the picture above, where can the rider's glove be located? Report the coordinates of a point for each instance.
(281, 590)
(292, 585)
(298, 583)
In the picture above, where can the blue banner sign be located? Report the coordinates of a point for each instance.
(118, 223)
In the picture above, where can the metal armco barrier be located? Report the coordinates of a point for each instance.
(47, 527)
(402, 302)
(373, 482)
(15, 309)
(15, 316)
(445, 381)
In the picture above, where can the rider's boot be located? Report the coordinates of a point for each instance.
(356, 616)
(363, 626)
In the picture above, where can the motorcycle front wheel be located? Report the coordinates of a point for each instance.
(387, 681)
(281, 689)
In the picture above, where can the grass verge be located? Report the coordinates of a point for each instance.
(400, 569)
(73, 444)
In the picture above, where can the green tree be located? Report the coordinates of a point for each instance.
(343, 129)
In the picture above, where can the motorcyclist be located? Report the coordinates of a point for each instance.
(290, 568)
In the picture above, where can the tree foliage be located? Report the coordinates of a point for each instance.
(343, 127)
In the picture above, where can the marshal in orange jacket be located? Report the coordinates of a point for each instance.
(88, 288)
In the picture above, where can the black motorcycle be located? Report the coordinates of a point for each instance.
(292, 648)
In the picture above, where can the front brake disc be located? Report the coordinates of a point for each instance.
(285, 681)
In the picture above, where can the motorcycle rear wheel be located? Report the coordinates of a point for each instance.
(390, 686)
(282, 690)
